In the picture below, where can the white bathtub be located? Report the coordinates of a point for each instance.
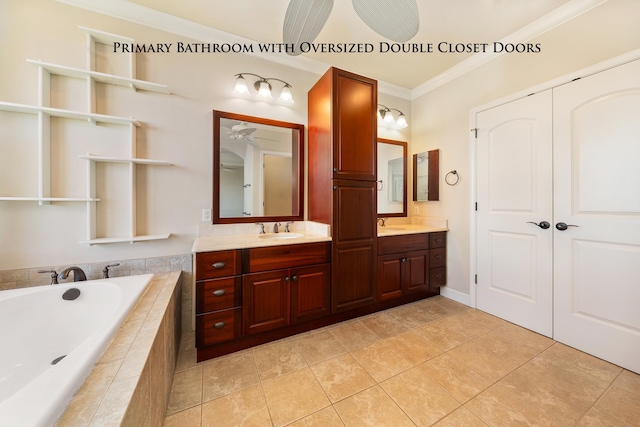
(38, 326)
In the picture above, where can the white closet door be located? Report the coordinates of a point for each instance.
(597, 176)
(514, 190)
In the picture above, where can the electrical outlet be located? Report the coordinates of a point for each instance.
(206, 215)
(416, 210)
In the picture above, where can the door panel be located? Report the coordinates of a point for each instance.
(514, 178)
(265, 301)
(597, 263)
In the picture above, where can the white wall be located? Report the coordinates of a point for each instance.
(176, 128)
(440, 118)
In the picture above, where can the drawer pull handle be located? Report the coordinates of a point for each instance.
(437, 256)
(219, 292)
(219, 265)
(438, 276)
(219, 325)
(438, 240)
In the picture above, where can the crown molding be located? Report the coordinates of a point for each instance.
(142, 15)
(540, 26)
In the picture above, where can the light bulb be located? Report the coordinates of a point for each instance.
(285, 96)
(388, 118)
(264, 91)
(241, 86)
(401, 123)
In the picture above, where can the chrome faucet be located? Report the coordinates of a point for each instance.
(275, 227)
(78, 274)
(105, 270)
(286, 226)
(382, 220)
(261, 227)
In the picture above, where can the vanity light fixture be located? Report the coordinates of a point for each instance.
(386, 119)
(263, 87)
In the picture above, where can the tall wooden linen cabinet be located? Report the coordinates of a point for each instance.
(342, 181)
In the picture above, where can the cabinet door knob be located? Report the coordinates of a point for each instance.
(219, 325)
(294, 278)
(335, 187)
(219, 292)
(286, 278)
(335, 169)
(219, 265)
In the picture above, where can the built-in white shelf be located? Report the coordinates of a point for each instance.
(48, 199)
(78, 73)
(123, 160)
(68, 114)
(105, 240)
(44, 112)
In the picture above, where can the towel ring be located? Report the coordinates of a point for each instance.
(455, 174)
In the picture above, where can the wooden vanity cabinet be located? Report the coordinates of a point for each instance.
(410, 263)
(218, 296)
(342, 177)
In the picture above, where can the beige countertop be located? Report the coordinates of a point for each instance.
(221, 237)
(399, 229)
(243, 241)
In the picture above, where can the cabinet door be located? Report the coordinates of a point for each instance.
(265, 301)
(353, 280)
(416, 271)
(390, 276)
(355, 126)
(310, 292)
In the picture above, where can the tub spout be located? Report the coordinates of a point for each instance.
(78, 274)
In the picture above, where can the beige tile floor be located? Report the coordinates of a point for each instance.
(433, 362)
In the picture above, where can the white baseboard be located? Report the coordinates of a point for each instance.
(455, 295)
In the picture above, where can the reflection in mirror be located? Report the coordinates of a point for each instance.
(426, 176)
(392, 178)
(257, 169)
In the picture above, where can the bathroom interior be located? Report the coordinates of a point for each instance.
(124, 164)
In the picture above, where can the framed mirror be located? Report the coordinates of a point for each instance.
(392, 178)
(426, 176)
(258, 169)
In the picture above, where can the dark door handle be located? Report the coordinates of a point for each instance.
(544, 224)
(562, 226)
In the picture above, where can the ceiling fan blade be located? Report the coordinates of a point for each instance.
(304, 21)
(396, 20)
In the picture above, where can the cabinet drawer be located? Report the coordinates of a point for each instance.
(287, 256)
(211, 265)
(218, 294)
(437, 240)
(402, 243)
(437, 257)
(437, 277)
(217, 327)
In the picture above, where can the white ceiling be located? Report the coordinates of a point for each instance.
(451, 21)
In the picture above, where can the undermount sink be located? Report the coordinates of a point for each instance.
(383, 229)
(280, 236)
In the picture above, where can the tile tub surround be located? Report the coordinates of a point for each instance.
(130, 384)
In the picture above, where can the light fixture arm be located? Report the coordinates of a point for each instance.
(387, 109)
(260, 78)
(385, 114)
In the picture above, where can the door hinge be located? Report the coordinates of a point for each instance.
(476, 132)
(476, 279)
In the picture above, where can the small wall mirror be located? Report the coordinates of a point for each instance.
(426, 176)
(392, 178)
(258, 169)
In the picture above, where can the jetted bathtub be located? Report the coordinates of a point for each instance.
(38, 327)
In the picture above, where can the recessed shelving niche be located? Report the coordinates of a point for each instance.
(44, 113)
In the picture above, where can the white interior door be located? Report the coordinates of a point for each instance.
(597, 175)
(514, 191)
